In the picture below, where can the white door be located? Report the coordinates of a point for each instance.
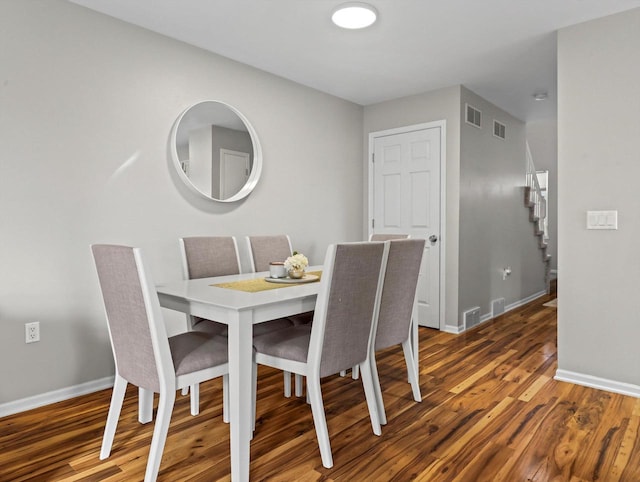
(406, 199)
(234, 172)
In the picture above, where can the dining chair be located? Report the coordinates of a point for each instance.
(265, 249)
(375, 237)
(144, 354)
(208, 256)
(398, 311)
(341, 334)
(262, 251)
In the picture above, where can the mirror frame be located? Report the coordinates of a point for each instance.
(256, 168)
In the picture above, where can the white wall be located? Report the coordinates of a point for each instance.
(86, 107)
(495, 231)
(599, 168)
(442, 104)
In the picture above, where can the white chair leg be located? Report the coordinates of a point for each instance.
(254, 395)
(411, 370)
(117, 397)
(355, 372)
(298, 379)
(145, 405)
(195, 399)
(225, 398)
(287, 383)
(185, 391)
(415, 348)
(370, 394)
(382, 416)
(319, 421)
(163, 418)
(343, 373)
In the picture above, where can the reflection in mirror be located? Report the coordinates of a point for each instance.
(216, 151)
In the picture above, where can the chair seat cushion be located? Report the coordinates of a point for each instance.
(292, 344)
(217, 328)
(302, 318)
(211, 327)
(196, 350)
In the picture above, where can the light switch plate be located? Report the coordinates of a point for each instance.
(602, 219)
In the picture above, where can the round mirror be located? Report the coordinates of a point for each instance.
(216, 151)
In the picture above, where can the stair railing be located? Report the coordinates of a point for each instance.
(535, 195)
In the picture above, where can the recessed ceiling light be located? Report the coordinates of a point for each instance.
(540, 96)
(354, 15)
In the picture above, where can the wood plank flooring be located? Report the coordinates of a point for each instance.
(491, 411)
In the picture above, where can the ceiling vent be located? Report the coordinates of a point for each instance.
(499, 129)
(473, 116)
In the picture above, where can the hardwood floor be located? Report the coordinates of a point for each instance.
(491, 411)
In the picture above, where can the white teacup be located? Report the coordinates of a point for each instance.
(277, 269)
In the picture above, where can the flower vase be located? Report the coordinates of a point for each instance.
(296, 273)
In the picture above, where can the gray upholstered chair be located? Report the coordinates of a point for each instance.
(265, 249)
(144, 355)
(262, 251)
(398, 310)
(375, 237)
(341, 334)
(204, 257)
(208, 256)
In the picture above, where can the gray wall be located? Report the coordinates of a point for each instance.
(487, 225)
(86, 107)
(599, 168)
(495, 231)
(543, 141)
(442, 104)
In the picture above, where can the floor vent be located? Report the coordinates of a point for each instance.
(497, 307)
(471, 317)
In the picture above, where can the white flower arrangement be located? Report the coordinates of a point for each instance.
(296, 262)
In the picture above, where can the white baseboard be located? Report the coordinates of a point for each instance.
(524, 301)
(487, 316)
(600, 383)
(43, 399)
(456, 330)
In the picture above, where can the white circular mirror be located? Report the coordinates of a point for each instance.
(216, 151)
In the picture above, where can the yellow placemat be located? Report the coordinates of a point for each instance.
(260, 284)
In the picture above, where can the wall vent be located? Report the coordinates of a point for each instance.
(471, 317)
(473, 116)
(499, 129)
(497, 307)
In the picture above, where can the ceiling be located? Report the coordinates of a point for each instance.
(503, 50)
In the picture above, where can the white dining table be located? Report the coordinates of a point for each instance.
(240, 310)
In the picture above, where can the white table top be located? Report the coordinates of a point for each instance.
(212, 302)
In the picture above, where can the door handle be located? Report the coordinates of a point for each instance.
(433, 238)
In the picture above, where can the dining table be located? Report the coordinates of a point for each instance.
(241, 301)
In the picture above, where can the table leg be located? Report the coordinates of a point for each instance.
(240, 338)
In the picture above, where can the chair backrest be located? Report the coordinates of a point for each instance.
(387, 237)
(138, 335)
(346, 307)
(206, 256)
(265, 249)
(399, 292)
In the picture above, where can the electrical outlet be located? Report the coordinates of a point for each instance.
(32, 332)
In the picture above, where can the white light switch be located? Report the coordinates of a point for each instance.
(602, 219)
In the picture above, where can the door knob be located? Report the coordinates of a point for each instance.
(433, 238)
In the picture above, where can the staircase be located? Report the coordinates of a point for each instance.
(537, 205)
